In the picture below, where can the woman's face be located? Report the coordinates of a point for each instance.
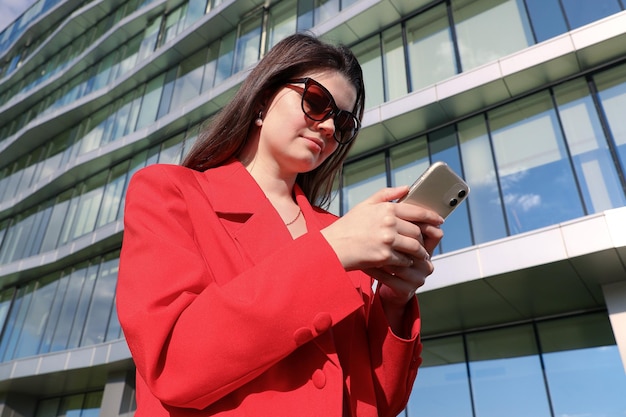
(295, 142)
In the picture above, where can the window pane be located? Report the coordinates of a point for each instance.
(18, 237)
(226, 57)
(6, 300)
(101, 304)
(581, 12)
(31, 333)
(11, 334)
(62, 282)
(151, 35)
(362, 179)
(325, 9)
(395, 67)
(96, 127)
(210, 68)
(195, 11)
(69, 302)
(89, 205)
(189, 81)
(590, 153)
(547, 18)
(171, 25)
(166, 94)
(91, 406)
(535, 173)
(112, 198)
(248, 43)
(368, 54)
(442, 388)
(48, 408)
(83, 306)
(612, 92)
(282, 21)
(581, 358)
(71, 406)
(488, 30)
(507, 379)
(171, 150)
(408, 161)
(55, 225)
(430, 48)
(485, 205)
(150, 102)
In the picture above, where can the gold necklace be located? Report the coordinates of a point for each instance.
(295, 218)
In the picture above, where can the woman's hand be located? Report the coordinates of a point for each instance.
(393, 237)
(391, 242)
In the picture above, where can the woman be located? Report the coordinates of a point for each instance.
(237, 296)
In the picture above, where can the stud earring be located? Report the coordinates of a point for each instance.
(259, 119)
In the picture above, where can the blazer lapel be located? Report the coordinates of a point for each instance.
(244, 210)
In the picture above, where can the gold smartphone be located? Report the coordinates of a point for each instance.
(439, 189)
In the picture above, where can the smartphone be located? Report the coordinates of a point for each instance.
(439, 189)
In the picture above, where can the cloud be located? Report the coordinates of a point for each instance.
(11, 10)
(525, 202)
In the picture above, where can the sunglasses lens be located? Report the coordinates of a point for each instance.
(345, 126)
(316, 103)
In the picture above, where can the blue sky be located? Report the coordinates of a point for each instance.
(11, 9)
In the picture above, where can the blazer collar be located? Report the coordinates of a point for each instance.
(247, 214)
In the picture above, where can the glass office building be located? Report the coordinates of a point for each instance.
(526, 99)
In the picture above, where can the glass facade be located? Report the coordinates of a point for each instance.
(79, 405)
(83, 107)
(549, 368)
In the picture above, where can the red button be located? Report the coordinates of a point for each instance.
(302, 336)
(322, 322)
(319, 379)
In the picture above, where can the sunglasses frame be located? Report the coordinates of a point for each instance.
(333, 112)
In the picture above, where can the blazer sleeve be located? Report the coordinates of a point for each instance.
(395, 360)
(194, 341)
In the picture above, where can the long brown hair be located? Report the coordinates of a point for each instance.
(227, 134)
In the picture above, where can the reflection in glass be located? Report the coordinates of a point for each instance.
(225, 60)
(488, 30)
(395, 66)
(506, 374)
(369, 56)
(63, 310)
(76, 405)
(362, 179)
(248, 43)
(612, 92)
(596, 172)
(442, 385)
(535, 173)
(188, 83)
(101, 305)
(583, 366)
(430, 48)
(547, 18)
(408, 161)
(582, 12)
(485, 204)
(281, 22)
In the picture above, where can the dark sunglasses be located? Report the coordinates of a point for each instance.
(318, 105)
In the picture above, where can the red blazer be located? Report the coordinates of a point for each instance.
(226, 315)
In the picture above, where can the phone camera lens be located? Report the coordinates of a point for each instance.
(453, 202)
(462, 193)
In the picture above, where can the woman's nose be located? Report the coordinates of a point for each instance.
(327, 126)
